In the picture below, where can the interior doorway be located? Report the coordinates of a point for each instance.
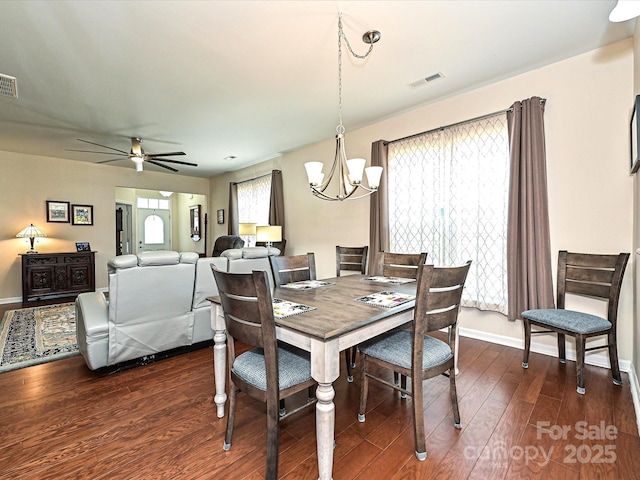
(124, 229)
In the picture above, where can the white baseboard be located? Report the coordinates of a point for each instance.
(19, 299)
(596, 359)
(10, 300)
(635, 393)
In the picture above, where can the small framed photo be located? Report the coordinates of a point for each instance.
(82, 214)
(221, 216)
(634, 135)
(57, 211)
(83, 247)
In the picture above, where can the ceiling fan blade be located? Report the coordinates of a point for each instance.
(170, 154)
(91, 151)
(179, 162)
(103, 146)
(163, 166)
(111, 160)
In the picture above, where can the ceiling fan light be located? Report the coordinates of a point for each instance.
(138, 161)
(625, 10)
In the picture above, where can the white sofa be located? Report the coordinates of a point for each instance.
(156, 302)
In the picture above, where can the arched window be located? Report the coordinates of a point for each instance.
(153, 230)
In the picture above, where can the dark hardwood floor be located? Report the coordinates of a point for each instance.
(61, 421)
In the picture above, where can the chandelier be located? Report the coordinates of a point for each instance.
(348, 173)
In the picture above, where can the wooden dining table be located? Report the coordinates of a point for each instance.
(336, 323)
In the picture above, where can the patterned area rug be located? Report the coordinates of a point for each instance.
(30, 336)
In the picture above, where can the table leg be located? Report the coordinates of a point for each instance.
(219, 357)
(325, 425)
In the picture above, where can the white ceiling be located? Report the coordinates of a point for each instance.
(253, 79)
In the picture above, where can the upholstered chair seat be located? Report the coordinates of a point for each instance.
(294, 366)
(569, 320)
(395, 348)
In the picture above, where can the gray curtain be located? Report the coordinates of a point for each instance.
(233, 228)
(276, 203)
(379, 206)
(530, 281)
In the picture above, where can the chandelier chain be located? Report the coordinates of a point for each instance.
(340, 128)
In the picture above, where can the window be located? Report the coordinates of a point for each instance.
(253, 200)
(153, 203)
(153, 230)
(448, 196)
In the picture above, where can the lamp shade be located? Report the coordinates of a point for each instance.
(269, 234)
(31, 232)
(247, 229)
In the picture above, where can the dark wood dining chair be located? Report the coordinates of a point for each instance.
(585, 274)
(351, 259)
(402, 265)
(413, 353)
(269, 372)
(294, 268)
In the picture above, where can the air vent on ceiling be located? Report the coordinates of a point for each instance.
(425, 80)
(8, 86)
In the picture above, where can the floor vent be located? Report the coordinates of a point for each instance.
(425, 80)
(8, 86)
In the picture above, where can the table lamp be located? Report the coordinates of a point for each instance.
(248, 229)
(31, 232)
(269, 234)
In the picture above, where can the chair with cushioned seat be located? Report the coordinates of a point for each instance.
(401, 265)
(351, 259)
(269, 372)
(294, 268)
(413, 353)
(226, 242)
(591, 275)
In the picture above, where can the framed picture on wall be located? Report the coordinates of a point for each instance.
(634, 134)
(57, 211)
(82, 214)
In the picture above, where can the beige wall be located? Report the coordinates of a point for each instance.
(26, 182)
(590, 189)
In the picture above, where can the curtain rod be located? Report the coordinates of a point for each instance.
(482, 117)
(254, 178)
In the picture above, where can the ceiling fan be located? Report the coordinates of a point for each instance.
(137, 155)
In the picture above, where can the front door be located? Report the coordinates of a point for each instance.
(154, 229)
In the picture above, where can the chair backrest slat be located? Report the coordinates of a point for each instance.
(293, 268)
(586, 274)
(351, 258)
(589, 289)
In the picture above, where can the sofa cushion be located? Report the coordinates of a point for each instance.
(232, 253)
(122, 261)
(161, 257)
(250, 252)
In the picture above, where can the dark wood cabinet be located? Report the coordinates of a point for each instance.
(48, 277)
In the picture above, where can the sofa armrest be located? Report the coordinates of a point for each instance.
(92, 313)
(92, 328)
